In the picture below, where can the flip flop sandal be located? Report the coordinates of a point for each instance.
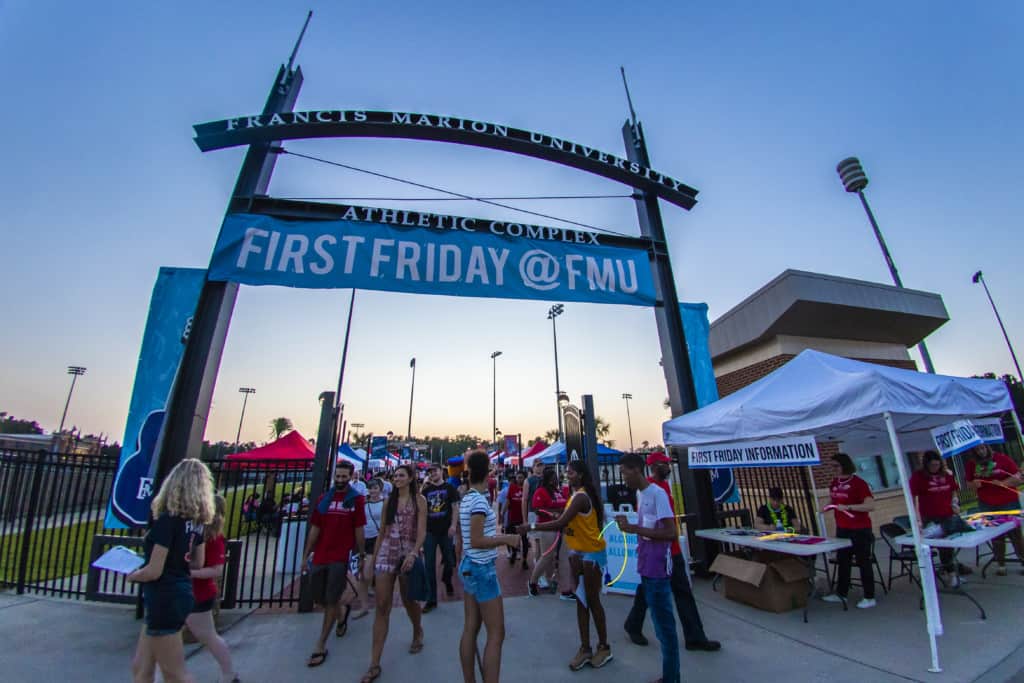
(371, 675)
(316, 659)
(417, 644)
(360, 614)
(342, 628)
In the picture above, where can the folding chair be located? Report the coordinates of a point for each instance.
(855, 578)
(905, 555)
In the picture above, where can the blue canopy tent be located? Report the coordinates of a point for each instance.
(345, 451)
(555, 454)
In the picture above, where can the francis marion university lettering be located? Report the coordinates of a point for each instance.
(422, 253)
(773, 452)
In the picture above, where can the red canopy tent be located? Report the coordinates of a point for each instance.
(291, 450)
(533, 450)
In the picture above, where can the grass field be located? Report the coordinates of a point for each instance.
(56, 552)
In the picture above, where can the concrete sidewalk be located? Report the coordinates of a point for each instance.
(73, 641)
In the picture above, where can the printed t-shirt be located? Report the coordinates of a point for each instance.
(653, 559)
(179, 536)
(440, 499)
(999, 467)
(206, 589)
(548, 506)
(475, 503)
(663, 485)
(515, 504)
(785, 515)
(337, 527)
(934, 493)
(852, 491)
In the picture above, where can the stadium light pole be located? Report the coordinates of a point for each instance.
(75, 371)
(412, 388)
(245, 391)
(629, 421)
(553, 313)
(978, 277)
(355, 426)
(854, 180)
(494, 403)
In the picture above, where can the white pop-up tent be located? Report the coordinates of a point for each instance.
(868, 407)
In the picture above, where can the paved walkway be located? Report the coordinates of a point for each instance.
(73, 641)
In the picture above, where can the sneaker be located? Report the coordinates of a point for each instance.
(429, 607)
(833, 598)
(964, 570)
(568, 597)
(542, 582)
(637, 638)
(1001, 571)
(955, 581)
(581, 659)
(602, 656)
(533, 590)
(705, 646)
(866, 603)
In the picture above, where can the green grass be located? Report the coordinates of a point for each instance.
(56, 552)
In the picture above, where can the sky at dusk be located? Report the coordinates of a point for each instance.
(751, 103)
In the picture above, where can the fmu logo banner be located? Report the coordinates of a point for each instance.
(423, 253)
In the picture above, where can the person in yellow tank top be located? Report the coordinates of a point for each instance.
(580, 524)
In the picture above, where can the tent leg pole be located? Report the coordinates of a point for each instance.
(1016, 422)
(817, 512)
(933, 616)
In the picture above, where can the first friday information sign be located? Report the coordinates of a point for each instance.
(801, 450)
(399, 251)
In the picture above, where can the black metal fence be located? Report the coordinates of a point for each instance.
(53, 507)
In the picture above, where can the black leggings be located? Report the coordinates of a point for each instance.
(863, 545)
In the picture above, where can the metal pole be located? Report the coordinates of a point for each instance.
(629, 421)
(335, 437)
(412, 389)
(494, 401)
(980, 278)
(74, 377)
(921, 347)
(245, 399)
(558, 386)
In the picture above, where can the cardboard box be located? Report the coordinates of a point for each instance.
(779, 585)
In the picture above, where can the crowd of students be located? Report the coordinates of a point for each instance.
(392, 533)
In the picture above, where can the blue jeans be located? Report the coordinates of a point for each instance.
(480, 580)
(430, 546)
(658, 595)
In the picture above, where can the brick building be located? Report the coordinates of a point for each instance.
(799, 310)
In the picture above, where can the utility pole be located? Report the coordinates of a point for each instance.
(629, 421)
(75, 371)
(245, 391)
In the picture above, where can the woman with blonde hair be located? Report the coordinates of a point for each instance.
(207, 566)
(179, 511)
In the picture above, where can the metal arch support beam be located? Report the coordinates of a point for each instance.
(340, 123)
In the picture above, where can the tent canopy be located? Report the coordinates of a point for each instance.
(346, 452)
(290, 447)
(838, 399)
(555, 453)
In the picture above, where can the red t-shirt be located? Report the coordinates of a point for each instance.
(549, 507)
(663, 485)
(337, 528)
(515, 504)
(492, 489)
(853, 491)
(934, 492)
(206, 589)
(999, 467)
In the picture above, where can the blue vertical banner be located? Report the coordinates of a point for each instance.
(379, 448)
(171, 307)
(697, 328)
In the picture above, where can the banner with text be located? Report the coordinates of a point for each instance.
(171, 307)
(423, 253)
(798, 450)
(990, 429)
(955, 438)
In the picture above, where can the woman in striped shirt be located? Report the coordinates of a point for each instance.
(482, 594)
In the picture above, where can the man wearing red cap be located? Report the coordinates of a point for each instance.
(686, 606)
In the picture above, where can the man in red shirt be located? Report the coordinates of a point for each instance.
(995, 477)
(852, 502)
(514, 505)
(335, 530)
(686, 606)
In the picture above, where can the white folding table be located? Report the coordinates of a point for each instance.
(806, 551)
(958, 542)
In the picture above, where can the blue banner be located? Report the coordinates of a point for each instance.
(398, 251)
(163, 342)
(379, 448)
(696, 328)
